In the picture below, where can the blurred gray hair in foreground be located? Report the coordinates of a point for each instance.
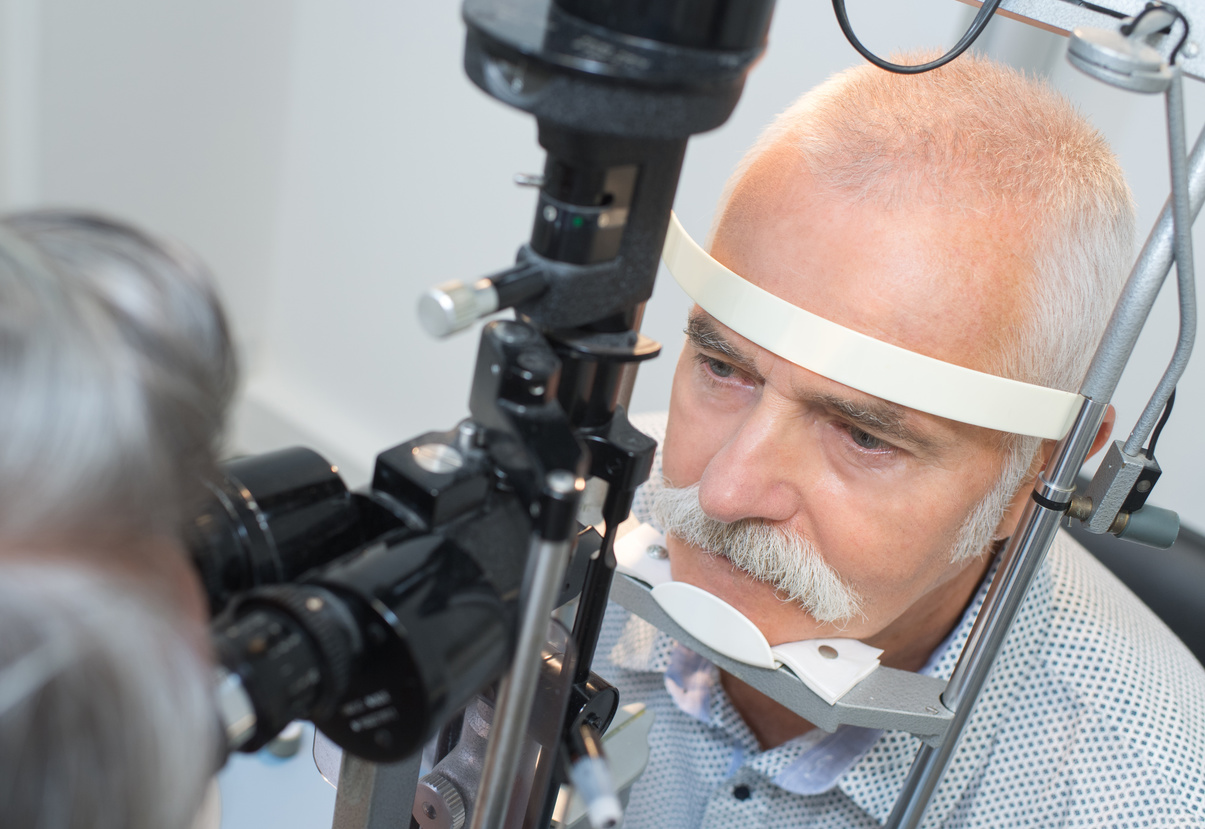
(116, 369)
(105, 716)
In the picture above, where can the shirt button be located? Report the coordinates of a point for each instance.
(742, 792)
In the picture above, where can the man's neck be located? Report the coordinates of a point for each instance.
(907, 644)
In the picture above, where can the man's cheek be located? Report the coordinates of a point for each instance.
(887, 552)
(688, 442)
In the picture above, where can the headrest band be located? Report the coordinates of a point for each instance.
(862, 362)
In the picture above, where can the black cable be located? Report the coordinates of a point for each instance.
(1092, 7)
(1128, 28)
(977, 26)
(1167, 410)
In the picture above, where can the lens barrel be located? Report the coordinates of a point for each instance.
(272, 518)
(291, 647)
(379, 648)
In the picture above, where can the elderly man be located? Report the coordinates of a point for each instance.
(116, 369)
(971, 217)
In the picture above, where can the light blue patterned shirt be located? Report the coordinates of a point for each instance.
(1094, 716)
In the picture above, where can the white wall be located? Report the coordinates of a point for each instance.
(330, 161)
(397, 176)
(173, 115)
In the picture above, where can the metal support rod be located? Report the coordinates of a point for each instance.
(1185, 271)
(1022, 557)
(1057, 481)
(1142, 287)
(508, 730)
(375, 795)
(1016, 571)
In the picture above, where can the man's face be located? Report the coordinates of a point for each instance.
(881, 491)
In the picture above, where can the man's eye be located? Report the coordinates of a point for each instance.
(718, 367)
(867, 441)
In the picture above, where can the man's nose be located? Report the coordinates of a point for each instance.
(757, 472)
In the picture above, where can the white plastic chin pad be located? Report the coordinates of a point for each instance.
(830, 667)
(715, 623)
(860, 361)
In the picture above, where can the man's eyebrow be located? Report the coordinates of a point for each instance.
(880, 417)
(705, 336)
(885, 419)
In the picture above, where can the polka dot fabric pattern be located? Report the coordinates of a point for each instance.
(1094, 716)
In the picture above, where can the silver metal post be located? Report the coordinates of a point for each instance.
(375, 795)
(1143, 286)
(1022, 557)
(1185, 276)
(508, 731)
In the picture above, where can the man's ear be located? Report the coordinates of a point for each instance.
(1012, 515)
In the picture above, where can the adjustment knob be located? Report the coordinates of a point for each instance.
(438, 804)
(452, 306)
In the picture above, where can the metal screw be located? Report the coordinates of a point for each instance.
(658, 552)
(314, 604)
(529, 180)
(438, 458)
(929, 709)
(468, 436)
(429, 810)
(1191, 49)
(1144, 486)
(828, 652)
(550, 213)
(562, 482)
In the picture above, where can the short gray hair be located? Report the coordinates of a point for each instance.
(105, 716)
(116, 370)
(978, 137)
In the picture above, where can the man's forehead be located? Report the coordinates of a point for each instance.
(853, 358)
(939, 284)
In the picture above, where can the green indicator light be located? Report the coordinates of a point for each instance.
(578, 221)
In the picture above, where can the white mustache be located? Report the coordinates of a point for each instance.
(776, 556)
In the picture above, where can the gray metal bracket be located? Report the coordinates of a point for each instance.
(375, 795)
(888, 699)
(1064, 15)
(1111, 485)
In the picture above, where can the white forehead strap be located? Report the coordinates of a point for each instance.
(862, 362)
